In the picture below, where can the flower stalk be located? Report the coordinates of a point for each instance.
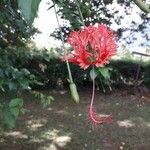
(73, 88)
(93, 116)
(92, 46)
(80, 12)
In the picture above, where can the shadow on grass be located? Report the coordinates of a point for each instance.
(64, 126)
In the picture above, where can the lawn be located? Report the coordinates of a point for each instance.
(64, 125)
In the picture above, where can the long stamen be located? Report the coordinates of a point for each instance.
(93, 116)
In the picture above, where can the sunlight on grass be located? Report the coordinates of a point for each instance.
(36, 140)
(49, 109)
(147, 124)
(64, 126)
(2, 140)
(56, 139)
(34, 125)
(58, 111)
(126, 123)
(138, 121)
(16, 135)
(50, 134)
(62, 92)
(62, 112)
(142, 121)
(59, 142)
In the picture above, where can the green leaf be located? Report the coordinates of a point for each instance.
(104, 72)
(25, 71)
(9, 120)
(46, 57)
(12, 85)
(29, 9)
(24, 83)
(15, 111)
(93, 74)
(16, 102)
(1, 85)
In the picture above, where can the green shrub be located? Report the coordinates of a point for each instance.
(124, 71)
(15, 77)
(121, 72)
(147, 74)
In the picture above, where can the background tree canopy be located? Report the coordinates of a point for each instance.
(14, 54)
(13, 28)
(103, 11)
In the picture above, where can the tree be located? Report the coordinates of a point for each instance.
(14, 29)
(14, 32)
(100, 12)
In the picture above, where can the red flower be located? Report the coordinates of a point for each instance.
(92, 46)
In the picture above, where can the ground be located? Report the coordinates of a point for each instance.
(64, 125)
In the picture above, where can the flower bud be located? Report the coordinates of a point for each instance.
(74, 92)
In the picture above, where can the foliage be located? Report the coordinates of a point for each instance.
(10, 112)
(15, 77)
(147, 74)
(125, 72)
(44, 100)
(104, 78)
(29, 9)
(14, 29)
(12, 79)
(92, 11)
(14, 32)
(98, 12)
(118, 72)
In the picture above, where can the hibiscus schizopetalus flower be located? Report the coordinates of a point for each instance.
(92, 46)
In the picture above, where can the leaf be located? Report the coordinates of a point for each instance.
(12, 85)
(9, 119)
(25, 71)
(104, 72)
(16, 102)
(50, 98)
(1, 85)
(46, 57)
(93, 74)
(24, 83)
(1, 73)
(29, 9)
(15, 111)
(61, 1)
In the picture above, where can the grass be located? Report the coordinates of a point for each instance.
(64, 125)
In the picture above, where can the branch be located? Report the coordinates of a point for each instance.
(51, 7)
(142, 54)
(144, 7)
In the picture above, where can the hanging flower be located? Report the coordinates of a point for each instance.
(92, 46)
